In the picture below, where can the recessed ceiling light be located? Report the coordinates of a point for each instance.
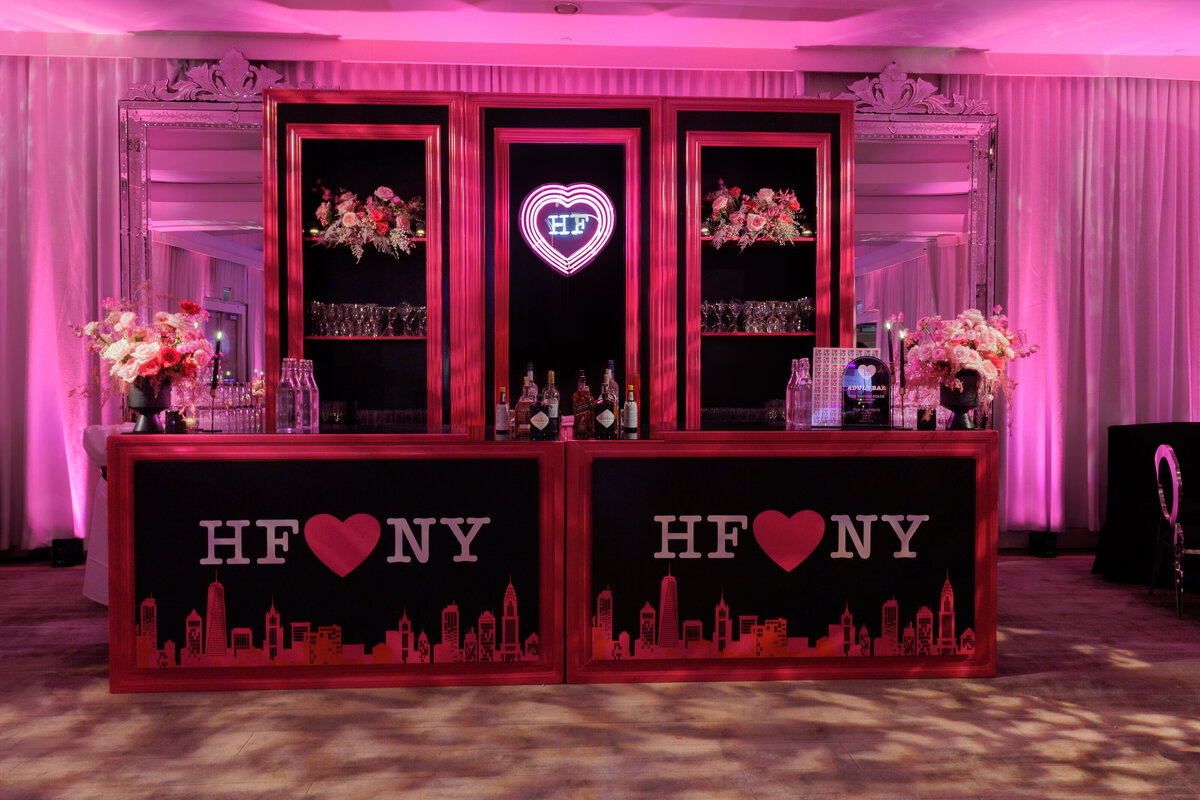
(566, 8)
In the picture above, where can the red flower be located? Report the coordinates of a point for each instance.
(376, 215)
(381, 228)
(793, 205)
(188, 367)
(735, 191)
(149, 367)
(170, 357)
(188, 307)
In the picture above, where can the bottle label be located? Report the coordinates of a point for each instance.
(552, 408)
(605, 418)
(539, 420)
(629, 421)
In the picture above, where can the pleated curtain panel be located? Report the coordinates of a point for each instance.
(1098, 258)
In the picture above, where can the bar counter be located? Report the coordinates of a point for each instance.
(274, 561)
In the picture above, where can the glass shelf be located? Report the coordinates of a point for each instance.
(764, 242)
(317, 239)
(747, 334)
(365, 338)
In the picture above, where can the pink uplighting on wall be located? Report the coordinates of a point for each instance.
(567, 226)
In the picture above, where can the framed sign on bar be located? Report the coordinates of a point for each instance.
(822, 555)
(369, 560)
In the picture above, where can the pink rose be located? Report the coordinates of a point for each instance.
(202, 358)
(127, 372)
(149, 368)
(384, 193)
(765, 195)
(756, 222)
(349, 219)
(719, 203)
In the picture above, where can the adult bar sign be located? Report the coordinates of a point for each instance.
(567, 226)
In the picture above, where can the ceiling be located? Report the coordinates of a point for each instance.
(770, 34)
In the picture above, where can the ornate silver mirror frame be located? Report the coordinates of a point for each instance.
(200, 198)
(895, 107)
(224, 96)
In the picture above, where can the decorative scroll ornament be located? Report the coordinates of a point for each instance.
(564, 238)
(893, 92)
(232, 79)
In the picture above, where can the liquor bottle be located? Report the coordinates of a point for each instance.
(539, 420)
(285, 398)
(581, 404)
(524, 409)
(799, 396)
(606, 411)
(502, 414)
(613, 386)
(550, 401)
(629, 416)
(529, 374)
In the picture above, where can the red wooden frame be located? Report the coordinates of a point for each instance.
(451, 188)
(630, 139)
(126, 451)
(472, 299)
(665, 278)
(696, 142)
(982, 446)
(296, 135)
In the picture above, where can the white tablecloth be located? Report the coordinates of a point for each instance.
(95, 572)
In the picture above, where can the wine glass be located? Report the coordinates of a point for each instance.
(735, 311)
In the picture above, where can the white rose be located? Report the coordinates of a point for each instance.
(117, 351)
(146, 351)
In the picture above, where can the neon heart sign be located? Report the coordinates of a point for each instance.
(567, 226)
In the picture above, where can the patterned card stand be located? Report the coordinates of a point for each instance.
(828, 363)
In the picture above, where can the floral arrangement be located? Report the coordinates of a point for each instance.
(171, 347)
(937, 350)
(745, 218)
(383, 221)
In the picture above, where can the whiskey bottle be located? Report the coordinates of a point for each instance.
(629, 416)
(606, 410)
(550, 401)
(525, 409)
(613, 386)
(581, 404)
(502, 414)
(529, 375)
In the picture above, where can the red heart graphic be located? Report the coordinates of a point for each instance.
(341, 546)
(788, 541)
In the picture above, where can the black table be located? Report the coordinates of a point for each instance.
(1125, 549)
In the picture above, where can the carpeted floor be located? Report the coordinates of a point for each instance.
(1098, 696)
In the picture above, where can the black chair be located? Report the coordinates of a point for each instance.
(1179, 516)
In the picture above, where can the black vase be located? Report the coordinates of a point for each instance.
(960, 402)
(148, 400)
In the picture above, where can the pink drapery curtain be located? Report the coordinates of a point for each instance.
(60, 244)
(1098, 256)
(59, 187)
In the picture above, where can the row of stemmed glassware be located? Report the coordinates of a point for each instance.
(366, 319)
(757, 316)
